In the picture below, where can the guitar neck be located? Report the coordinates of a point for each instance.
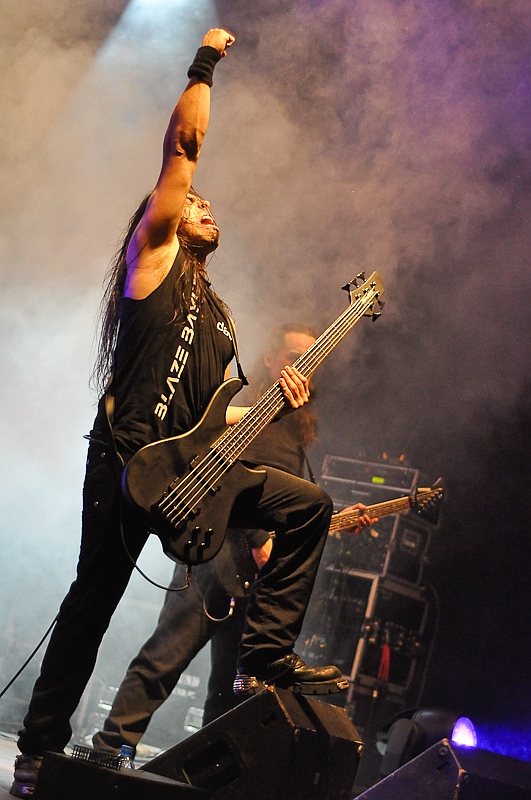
(347, 519)
(234, 441)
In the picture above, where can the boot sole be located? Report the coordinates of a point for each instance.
(328, 687)
(21, 789)
(323, 688)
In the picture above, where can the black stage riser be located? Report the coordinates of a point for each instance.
(445, 772)
(65, 778)
(274, 745)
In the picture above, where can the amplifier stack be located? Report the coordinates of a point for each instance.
(371, 612)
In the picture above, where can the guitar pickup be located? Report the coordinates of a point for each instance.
(207, 539)
(196, 535)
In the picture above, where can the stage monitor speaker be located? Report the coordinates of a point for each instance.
(447, 772)
(62, 777)
(272, 746)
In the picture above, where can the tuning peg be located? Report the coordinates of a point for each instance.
(376, 314)
(348, 286)
(354, 282)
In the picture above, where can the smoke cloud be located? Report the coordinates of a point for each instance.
(345, 136)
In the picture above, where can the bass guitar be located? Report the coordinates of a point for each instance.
(188, 484)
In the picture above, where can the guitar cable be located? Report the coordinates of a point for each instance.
(186, 584)
(188, 578)
(434, 633)
(230, 612)
(29, 658)
(118, 465)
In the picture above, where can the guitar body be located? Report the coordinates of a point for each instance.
(157, 469)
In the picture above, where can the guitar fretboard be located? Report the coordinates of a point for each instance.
(347, 519)
(234, 441)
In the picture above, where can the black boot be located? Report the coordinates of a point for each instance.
(290, 673)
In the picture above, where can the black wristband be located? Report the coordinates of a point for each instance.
(202, 66)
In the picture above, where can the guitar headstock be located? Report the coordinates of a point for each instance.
(427, 501)
(371, 289)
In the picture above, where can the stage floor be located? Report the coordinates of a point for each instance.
(8, 751)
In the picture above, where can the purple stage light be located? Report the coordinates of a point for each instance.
(464, 733)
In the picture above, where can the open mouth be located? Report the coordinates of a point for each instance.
(207, 220)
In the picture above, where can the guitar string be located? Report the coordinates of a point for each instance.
(210, 470)
(266, 406)
(307, 363)
(345, 520)
(383, 509)
(323, 344)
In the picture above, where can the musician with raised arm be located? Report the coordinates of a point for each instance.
(167, 342)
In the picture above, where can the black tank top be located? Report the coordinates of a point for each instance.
(165, 372)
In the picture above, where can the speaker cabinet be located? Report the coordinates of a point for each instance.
(272, 746)
(65, 778)
(446, 772)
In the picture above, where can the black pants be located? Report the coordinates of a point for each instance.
(187, 621)
(297, 510)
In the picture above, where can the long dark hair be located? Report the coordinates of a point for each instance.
(191, 276)
(260, 380)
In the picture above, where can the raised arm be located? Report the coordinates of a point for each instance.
(154, 244)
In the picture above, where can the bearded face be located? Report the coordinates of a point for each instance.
(197, 227)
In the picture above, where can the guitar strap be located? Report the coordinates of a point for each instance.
(232, 328)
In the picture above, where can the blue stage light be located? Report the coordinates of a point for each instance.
(464, 733)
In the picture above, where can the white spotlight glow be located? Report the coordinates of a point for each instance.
(156, 30)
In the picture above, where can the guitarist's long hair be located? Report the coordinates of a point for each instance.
(260, 380)
(191, 276)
